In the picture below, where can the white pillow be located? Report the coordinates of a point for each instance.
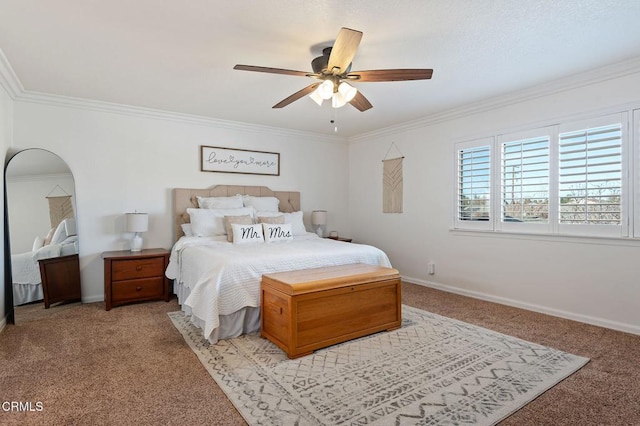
(243, 234)
(267, 204)
(59, 234)
(186, 229)
(260, 213)
(297, 224)
(210, 222)
(234, 202)
(70, 226)
(274, 233)
(37, 243)
(295, 219)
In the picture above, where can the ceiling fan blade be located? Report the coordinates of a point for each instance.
(343, 51)
(271, 70)
(299, 94)
(391, 75)
(360, 102)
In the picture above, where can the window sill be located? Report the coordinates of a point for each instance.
(556, 238)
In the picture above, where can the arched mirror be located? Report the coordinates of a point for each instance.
(42, 249)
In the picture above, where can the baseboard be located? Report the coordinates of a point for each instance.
(600, 322)
(93, 299)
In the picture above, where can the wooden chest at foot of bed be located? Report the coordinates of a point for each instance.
(309, 309)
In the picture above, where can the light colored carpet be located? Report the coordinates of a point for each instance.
(432, 371)
(36, 311)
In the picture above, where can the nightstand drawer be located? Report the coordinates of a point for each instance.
(137, 290)
(137, 268)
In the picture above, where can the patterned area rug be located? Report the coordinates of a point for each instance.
(432, 371)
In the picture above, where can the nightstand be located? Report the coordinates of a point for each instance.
(60, 279)
(135, 276)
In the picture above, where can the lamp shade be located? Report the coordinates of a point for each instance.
(319, 217)
(325, 90)
(137, 222)
(347, 90)
(338, 101)
(316, 97)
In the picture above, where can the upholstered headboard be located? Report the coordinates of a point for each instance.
(184, 198)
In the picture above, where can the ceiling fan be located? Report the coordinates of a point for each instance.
(333, 70)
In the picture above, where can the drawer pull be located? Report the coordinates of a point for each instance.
(281, 310)
(138, 288)
(139, 268)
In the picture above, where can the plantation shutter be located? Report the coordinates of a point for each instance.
(590, 176)
(474, 184)
(525, 180)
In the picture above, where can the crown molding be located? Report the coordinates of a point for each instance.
(37, 178)
(109, 107)
(8, 78)
(11, 83)
(597, 75)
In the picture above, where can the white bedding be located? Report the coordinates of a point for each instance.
(26, 278)
(216, 278)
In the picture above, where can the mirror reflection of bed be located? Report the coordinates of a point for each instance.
(42, 234)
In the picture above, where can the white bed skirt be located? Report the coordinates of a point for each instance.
(26, 293)
(241, 322)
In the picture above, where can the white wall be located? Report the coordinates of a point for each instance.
(6, 125)
(124, 161)
(581, 279)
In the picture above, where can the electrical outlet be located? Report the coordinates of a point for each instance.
(431, 268)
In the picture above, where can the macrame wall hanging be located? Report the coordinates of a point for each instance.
(60, 207)
(392, 182)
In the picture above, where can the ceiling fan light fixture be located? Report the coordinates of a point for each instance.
(316, 97)
(338, 100)
(347, 90)
(325, 90)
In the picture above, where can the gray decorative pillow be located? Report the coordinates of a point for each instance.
(242, 220)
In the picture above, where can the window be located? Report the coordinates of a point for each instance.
(473, 199)
(592, 184)
(591, 176)
(564, 179)
(525, 180)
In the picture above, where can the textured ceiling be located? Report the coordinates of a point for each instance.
(179, 56)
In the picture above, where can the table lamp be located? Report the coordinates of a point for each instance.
(318, 221)
(137, 223)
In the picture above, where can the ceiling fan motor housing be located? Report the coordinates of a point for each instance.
(319, 65)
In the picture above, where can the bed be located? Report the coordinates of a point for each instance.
(217, 281)
(25, 270)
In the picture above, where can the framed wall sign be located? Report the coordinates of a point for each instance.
(228, 160)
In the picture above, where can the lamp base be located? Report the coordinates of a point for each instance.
(136, 242)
